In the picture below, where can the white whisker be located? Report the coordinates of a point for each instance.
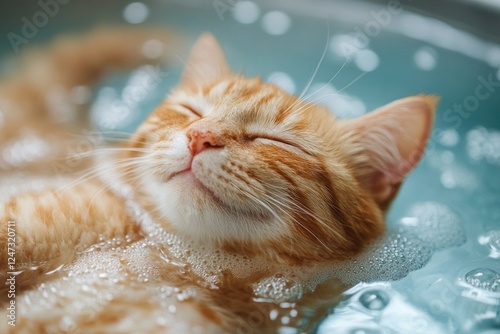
(353, 81)
(315, 72)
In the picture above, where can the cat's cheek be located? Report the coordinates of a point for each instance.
(203, 167)
(206, 166)
(171, 156)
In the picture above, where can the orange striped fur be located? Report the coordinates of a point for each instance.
(228, 163)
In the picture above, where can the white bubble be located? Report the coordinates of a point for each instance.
(409, 221)
(374, 300)
(484, 278)
(426, 58)
(136, 12)
(493, 57)
(287, 330)
(276, 23)
(283, 80)
(246, 12)
(484, 144)
(457, 176)
(449, 137)
(342, 105)
(25, 149)
(344, 45)
(152, 49)
(278, 289)
(436, 225)
(366, 60)
(448, 179)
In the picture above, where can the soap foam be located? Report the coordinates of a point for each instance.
(435, 224)
(427, 228)
(122, 269)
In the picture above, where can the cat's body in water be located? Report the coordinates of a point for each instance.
(229, 182)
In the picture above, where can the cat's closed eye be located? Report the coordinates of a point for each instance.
(192, 110)
(266, 138)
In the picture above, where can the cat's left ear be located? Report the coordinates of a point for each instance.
(385, 145)
(206, 63)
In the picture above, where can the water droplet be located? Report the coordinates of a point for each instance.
(287, 330)
(426, 58)
(366, 60)
(152, 49)
(276, 23)
(492, 239)
(162, 321)
(484, 144)
(484, 278)
(25, 149)
(436, 224)
(246, 12)
(374, 300)
(67, 325)
(409, 221)
(449, 138)
(136, 12)
(273, 315)
(342, 105)
(278, 289)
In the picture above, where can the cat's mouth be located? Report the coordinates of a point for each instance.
(185, 171)
(189, 178)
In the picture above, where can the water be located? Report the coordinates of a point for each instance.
(437, 270)
(484, 278)
(374, 300)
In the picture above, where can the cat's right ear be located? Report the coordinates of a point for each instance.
(385, 145)
(206, 63)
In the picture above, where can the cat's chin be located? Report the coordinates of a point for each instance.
(189, 180)
(206, 197)
(194, 211)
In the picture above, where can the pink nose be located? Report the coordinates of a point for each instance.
(201, 139)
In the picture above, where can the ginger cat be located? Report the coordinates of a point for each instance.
(203, 220)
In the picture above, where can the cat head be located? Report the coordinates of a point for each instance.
(238, 162)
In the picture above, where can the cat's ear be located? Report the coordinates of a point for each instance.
(206, 63)
(386, 145)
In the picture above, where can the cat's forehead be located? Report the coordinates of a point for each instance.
(247, 99)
